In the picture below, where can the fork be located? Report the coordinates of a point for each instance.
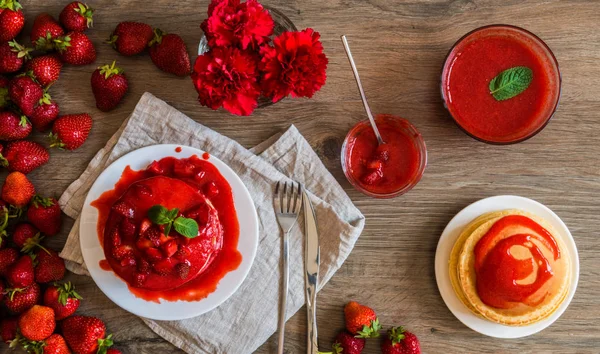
(287, 204)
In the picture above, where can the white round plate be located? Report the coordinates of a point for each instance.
(451, 233)
(116, 289)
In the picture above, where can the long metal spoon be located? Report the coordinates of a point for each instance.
(362, 92)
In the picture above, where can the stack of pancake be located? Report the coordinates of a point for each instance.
(463, 274)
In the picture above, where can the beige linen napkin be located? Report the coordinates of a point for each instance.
(250, 315)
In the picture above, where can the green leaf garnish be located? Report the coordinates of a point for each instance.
(187, 227)
(160, 215)
(511, 82)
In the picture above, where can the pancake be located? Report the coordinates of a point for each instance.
(541, 303)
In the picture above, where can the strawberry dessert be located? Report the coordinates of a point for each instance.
(170, 231)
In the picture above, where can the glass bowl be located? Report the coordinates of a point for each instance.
(540, 50)
(400, 124)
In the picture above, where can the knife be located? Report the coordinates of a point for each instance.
(311, 269)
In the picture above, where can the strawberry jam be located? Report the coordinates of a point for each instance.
(170, 266)
(510, 266)
(389, 169)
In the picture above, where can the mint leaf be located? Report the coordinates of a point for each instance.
(511, 82)
(173, 213)
(187, 227)
(167, 229)
(159, 215)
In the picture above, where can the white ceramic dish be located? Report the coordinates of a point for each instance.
(451, 233)
(116, 289)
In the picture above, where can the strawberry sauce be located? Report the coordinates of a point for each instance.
(502, 274)
(171, 267)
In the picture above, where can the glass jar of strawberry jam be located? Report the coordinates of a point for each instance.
(387, 170)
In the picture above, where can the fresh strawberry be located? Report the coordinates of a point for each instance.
(131, 38)
(109, 86)
(13, 127)
(346, 343)
(169, 53)
(76, 48)
(27, 237)
(44, 213)
(85, 334)
(8, 256)
(12, 57)
(46, 68)
(37, 323)
(50, 267)
(77, 17)
(63, 299)
(17, 189)
(19, 300)
(44, 114)
(12, 19)
(399, 341)
(26, 93)
(45, 29)
(24, 156)
(8, 329)
(70, 131)
(20, 274)
(361, 320)
(55, 344)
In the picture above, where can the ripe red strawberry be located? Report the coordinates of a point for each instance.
(17, 189)
(113, 351)
(24, 156)
(12, 19)
(50, 267)
(13, 127)
(26, 93)
(8, 256)
(44, 213)
(8, 329)
(400, 341)
(37, 323)
(45, 29)
(76, 48)
(20, 274)
(63, 299)
(346, 343)
(19, 300)
(131, 38)
(55, 344)
(77, 17)
(44, 114)
(109, 86)
(85, 334)
(169, 53)
(12, 57)
(46, 69)
(70, 131)
(27, 237)
(361, 320)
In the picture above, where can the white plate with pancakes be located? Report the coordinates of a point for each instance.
(458, 288)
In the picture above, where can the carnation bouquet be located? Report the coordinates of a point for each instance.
(245, 62)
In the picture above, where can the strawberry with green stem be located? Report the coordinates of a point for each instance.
(45, 29)
(23, 156)
(25, 92)
(75, 48)
(44, 213)
(12, 19)
(49, 268)
(14, 127)
(45, 68)
(27, 237)
(400, 341)
(63, 299)
(12, 57)
(361, 320)
(346, 343)
(21, 273)
(131, 38)
(86, 335)
(109, 85)
(169, 53)
(77, 17)
(69, 132)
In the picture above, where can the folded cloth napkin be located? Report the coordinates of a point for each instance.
(250, 315)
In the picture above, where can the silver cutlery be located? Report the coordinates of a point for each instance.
(311, 276)
(287, 202)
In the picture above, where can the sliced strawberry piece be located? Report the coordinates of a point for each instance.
(183, 168)
(139, 279)
(127, 229)
(125, 209)
(153, 234)
(154, 254)
(128, 262)
(183, 270)
(375, 165)
(211, 190)
(372, 177)
(199, 176)
(182, 253)
(143, 266)
(164, 267)
(115, 238)
(143, 191)
(122, 252)
(169, 248)
(145, 225)
(156, 168)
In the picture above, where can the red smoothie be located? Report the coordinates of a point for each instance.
(479, 57)
(384, 170)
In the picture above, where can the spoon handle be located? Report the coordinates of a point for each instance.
(360, 89)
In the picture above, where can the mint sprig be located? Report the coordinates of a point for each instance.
(160, 215)
(511, 82)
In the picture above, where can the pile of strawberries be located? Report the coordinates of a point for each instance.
(362, 323)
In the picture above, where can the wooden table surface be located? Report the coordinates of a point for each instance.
(399, 47)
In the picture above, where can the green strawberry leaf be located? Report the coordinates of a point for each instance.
(511, 82)
(186, 227)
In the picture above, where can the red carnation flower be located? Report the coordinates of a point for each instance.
(295, 65)
(231, 23)
(227, 77)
